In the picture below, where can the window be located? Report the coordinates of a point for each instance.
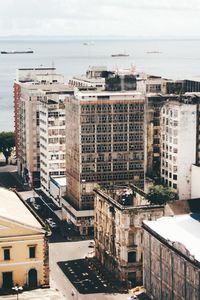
(6, 254)
(32, 252)
(131, 256)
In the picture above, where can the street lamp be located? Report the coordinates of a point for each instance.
(17, 289)
(73, 294)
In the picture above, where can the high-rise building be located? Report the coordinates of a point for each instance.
(31, 85)
(52, 135)
(104, 143)
(178, 145)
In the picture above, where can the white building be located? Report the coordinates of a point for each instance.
(31, 86)
(92, 79)
(178, 146)
(52, 139)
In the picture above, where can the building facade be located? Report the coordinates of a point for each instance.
(52, 137)
(104, 143)
(171, 257)
(29, 88)
(117, 231)
(24, 245)
(178, 145)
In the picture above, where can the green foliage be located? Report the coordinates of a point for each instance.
(159, 194)
(7, 143)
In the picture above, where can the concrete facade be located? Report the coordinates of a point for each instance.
(195, 180)
(52, 139)
(31, 86)
(104, 143)
(171, 256)
(117, 231)
(178, 150)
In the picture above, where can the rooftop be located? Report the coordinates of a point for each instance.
(59, 181)
(108, 93)
(181, 232)
(124, 198)
(87, 79)
(13, 208)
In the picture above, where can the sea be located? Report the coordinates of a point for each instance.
(173, 59)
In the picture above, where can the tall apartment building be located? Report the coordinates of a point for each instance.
(178, 145)
(52, 136)
(154, 103)
(29, 88)
(104, 143)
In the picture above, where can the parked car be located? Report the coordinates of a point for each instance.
(53, 225)
(91, 245)
(13, 160)
(32, 200)
(36, 206)
(51, 222)
(133, 297)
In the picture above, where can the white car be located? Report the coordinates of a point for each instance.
(91, 245)
(36, 206)
(32, 200)
(51, 222)
(134, 297)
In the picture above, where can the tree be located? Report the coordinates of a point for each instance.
(158, 194)
(7, 143)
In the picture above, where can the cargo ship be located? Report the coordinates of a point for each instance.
(17, 52)
(119, 55)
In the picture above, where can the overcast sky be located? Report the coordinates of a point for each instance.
(131, 18)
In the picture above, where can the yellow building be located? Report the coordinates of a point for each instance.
(23, 245)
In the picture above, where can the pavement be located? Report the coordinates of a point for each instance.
(9, 177)
(38, 294)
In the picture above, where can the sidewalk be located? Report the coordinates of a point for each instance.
(51, 293)
(44, 294)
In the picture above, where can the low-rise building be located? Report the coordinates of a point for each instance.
(171, 264)
(23, 245)
(117, 231)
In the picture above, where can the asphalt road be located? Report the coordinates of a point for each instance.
(8, 178)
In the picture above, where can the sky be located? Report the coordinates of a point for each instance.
(125, 18)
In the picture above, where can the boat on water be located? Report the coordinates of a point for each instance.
(153, 52)
(17, 52)
(119, 55)
(88, 43)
